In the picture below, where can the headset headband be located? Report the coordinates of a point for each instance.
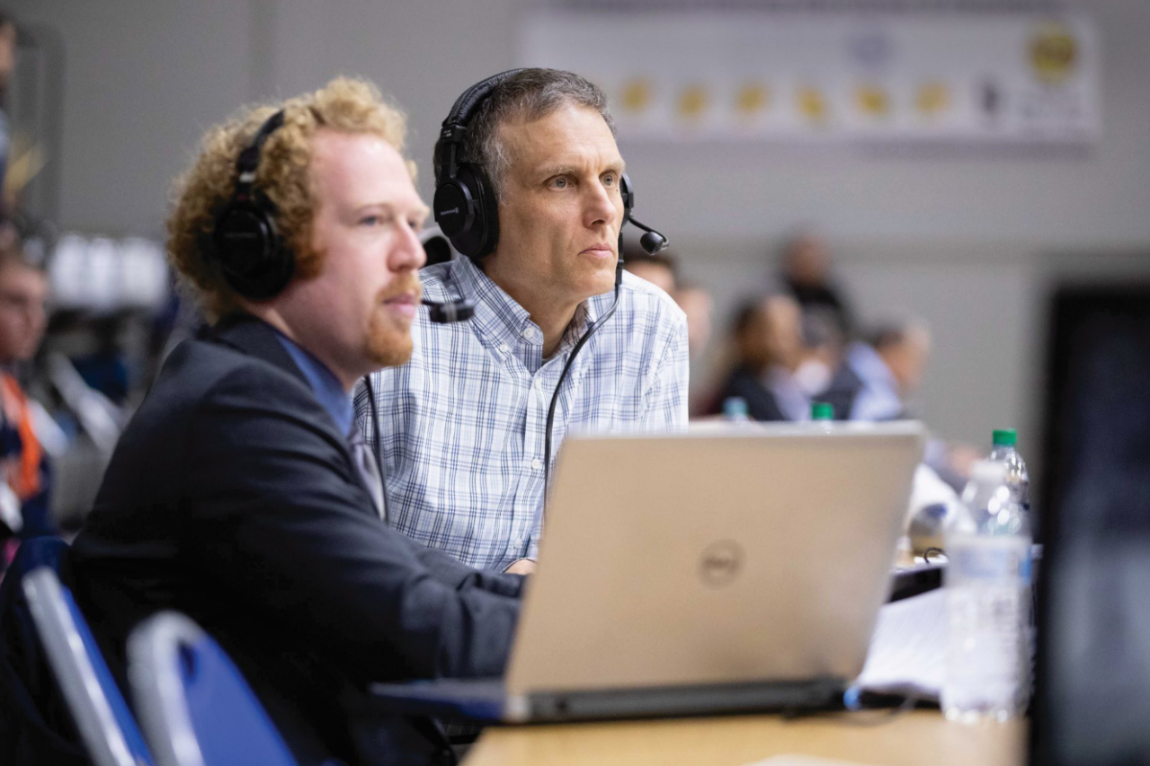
(459, 118)
(249, 159)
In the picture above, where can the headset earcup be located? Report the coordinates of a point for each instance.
(252, 257)
(467, 213)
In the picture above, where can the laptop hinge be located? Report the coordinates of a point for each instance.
(683, 700)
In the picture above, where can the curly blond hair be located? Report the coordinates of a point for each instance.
(344, 104)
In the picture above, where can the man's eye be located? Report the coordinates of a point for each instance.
(370, 220)
(559, 183)
(609, 179)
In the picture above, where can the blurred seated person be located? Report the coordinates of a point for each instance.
(240, 493)
(876, 381)
(822, 351)
(659, 269)
(768, 351)
(877, 378)
(805, 271)
(23, 318)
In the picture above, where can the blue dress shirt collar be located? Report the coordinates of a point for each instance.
(324, 384)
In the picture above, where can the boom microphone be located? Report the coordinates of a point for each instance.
(653, 242)
(450, 311)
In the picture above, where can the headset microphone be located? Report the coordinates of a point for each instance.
(451, 311)
(653, 242)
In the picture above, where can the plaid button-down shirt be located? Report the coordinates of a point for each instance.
(462, 425)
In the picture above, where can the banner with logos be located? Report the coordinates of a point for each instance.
(914, 77)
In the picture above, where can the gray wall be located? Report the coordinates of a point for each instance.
(970, 243)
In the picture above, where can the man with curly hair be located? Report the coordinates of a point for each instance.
(237, 494)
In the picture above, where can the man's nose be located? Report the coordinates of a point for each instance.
(408, 255)
(600, 204)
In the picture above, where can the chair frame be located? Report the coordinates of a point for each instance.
(74, 671)
(153, 650)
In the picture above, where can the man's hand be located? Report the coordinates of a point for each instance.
(521, 567)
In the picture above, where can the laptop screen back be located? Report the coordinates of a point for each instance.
(743, 555)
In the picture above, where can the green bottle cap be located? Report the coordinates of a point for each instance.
(822, 411)
(1005, 437)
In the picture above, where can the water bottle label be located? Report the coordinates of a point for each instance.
(1025, 567)
(991, 560)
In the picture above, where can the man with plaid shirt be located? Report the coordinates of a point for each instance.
(462, 426)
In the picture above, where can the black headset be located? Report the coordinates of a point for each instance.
(253, 257)
(465, 206)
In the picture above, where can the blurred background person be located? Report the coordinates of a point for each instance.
(24, 469)
(878, 377)
(877, 381)
(822, 349)
(805, 271)
(767, 346)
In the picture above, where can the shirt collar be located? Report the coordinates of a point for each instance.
(869, 366)
(324, 384)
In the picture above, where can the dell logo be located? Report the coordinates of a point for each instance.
(452, 211)
(720, 563)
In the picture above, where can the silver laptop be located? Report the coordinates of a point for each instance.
(727, 568)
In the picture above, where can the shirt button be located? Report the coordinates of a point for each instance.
(537, 464)
(503, 347)
(528, 332)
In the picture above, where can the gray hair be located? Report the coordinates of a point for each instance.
(895, 332)
(530, 94)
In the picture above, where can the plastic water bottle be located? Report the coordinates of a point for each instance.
(735, 410)
(987, 602)
(1017, 477)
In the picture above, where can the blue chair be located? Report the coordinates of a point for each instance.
(103, 719)
(195, 706)
(35, 724)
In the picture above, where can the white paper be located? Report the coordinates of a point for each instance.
(908, 650)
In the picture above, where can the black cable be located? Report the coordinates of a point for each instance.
(933, 551)
(559, 386)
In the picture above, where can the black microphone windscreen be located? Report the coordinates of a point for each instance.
(452, 311)
(653, 242)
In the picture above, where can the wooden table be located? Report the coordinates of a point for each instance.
(920, 738)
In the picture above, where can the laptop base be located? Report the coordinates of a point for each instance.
(485, 700)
